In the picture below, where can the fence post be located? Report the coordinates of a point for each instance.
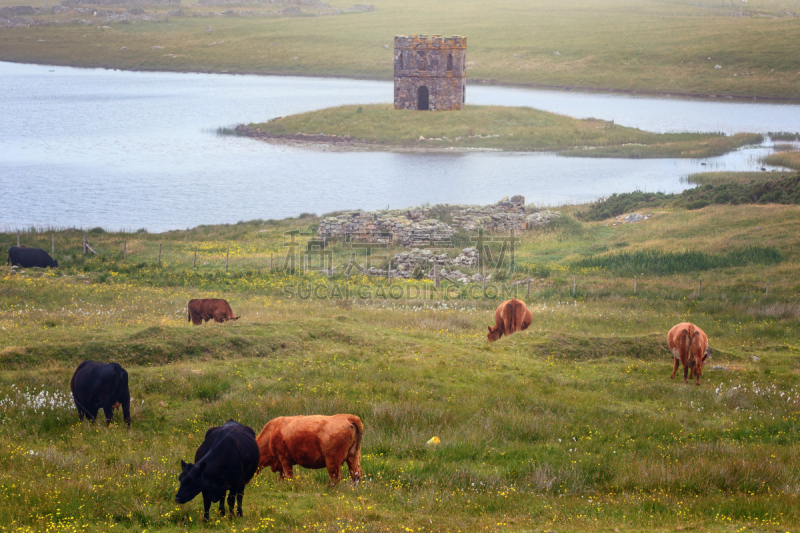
(574, 285)
(159, 254)
(436, 274)
(124, 249)
(227, 250)
(634, 284)
(17, 239)
(53, 243)
(700, 289)
(767, 295)
(528, 292)
(85, 243)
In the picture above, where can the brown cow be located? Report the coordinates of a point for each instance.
(201, 309)
(689, 347)
(315, 441)
(511, 316)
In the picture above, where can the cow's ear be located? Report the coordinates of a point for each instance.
(184, 464)
(490, 329)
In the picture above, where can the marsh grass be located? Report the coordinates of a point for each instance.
(721, 178)
(784, 159)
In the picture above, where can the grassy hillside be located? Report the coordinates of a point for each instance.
(572, 425)
(632, 45)
(521, 129)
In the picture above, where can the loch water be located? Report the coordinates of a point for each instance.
(129, 150)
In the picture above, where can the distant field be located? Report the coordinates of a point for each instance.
(631, 45)
(506, 128)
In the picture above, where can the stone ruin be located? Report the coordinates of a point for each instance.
(416, 228)
(423, 226)
(430, 74)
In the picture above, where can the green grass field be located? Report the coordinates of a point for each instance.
(519, 129)
(668, 46)
(572, 425)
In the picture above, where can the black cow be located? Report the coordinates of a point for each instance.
(103, 386)
(30, 257)
(226, 461)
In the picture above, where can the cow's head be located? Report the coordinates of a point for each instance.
(495, 332)
(235, 317)
(194, 481)
(191, 479)
(54, 264)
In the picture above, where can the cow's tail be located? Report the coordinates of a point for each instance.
(511, 307)
(355, 447)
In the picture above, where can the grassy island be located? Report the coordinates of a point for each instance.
(517, 129)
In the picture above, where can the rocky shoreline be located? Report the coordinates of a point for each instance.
(345, 143)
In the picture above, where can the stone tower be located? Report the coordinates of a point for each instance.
(430, 74)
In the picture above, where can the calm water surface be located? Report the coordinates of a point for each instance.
(129, 150)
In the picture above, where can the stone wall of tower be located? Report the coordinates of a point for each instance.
(437, 64)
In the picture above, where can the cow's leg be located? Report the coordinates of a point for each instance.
(286, 465)
(354, 466)
(222, 505)
(239, 496)
(685, 373)
(206, 506)
(231, 501)
(334, 472)
(80, 411)
(126, 412)
(109, 412)
(675, 368)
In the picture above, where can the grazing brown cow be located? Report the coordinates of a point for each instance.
(689, 347)
(201, 309)
(315, 441)
(511, 316)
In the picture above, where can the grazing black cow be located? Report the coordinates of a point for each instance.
(226, 461)
(103, 386)
(30, 257)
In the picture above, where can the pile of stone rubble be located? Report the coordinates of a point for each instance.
(423, 226)
(420, 264)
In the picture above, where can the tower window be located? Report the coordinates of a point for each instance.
(449, 62)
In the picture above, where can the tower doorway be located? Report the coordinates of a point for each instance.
(422, 98)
